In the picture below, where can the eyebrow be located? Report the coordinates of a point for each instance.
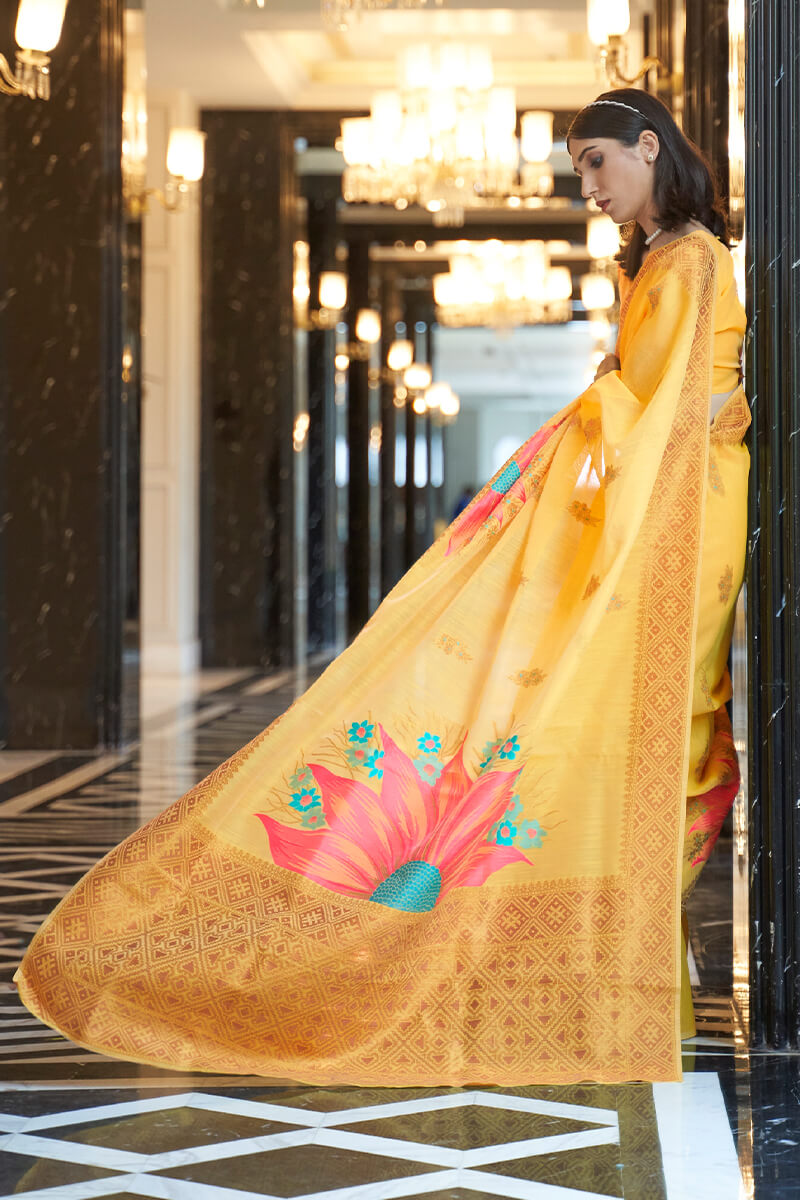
(580, 156)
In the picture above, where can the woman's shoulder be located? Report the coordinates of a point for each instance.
(698, 252)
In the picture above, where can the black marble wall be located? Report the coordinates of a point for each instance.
(247, 506)
(705, 89)
(67, 527)
(321, 195)
(772, 215)
(357, 555)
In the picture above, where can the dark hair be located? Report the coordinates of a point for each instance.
(684, 188)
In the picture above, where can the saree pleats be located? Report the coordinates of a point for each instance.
(457, 859)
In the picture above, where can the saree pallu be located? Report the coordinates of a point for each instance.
(457, 858)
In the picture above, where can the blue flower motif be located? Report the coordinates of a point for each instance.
(507, 478)
(360, 731)
(429, 743)
(506, 832)
(303, 777)
(428, 767)
(531, 834)
(313, 820)
(488, 753)
(372, 764)
(304, 799)
(510, 748)
(357, 755)
(515, 807)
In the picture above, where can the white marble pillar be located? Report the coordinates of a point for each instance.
(171, 412)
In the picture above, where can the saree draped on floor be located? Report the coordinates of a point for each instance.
(457, 858)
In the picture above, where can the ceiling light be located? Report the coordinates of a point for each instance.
(446, 139)
(339, 14)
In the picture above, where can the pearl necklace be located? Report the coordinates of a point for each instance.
(653, 236)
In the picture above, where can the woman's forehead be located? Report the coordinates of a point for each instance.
(578, 146)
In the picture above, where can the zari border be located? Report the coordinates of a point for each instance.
(666, 637)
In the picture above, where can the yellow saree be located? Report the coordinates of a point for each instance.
(457, 859)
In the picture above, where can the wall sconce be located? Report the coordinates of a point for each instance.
(608, 21)
(333, 290)
(441, 399)
(37, 32)
(602, 239)
(417, 377)
(185, 166)
(368, 333)
(400, 356)
(597, 292)
(368, 326)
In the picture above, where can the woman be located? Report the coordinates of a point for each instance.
(457, 859)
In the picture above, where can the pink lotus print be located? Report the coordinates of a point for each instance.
(407, 845)
(508, 484)
(718, 801)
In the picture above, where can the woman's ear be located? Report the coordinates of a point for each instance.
(649, 145)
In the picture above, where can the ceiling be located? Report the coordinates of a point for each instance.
(281, 56)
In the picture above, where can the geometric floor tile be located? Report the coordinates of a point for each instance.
(20, 1174)
(150, 1133)
(300, 1171)
(464, 1130)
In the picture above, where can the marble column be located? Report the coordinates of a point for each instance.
(321, 193)
(390, 557)
(772, 218)
(69, 549)
(246, 481)
(358, 526)
(705, 82)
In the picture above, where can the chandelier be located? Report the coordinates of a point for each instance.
(502, 284)
(446, 139)
(337, 14)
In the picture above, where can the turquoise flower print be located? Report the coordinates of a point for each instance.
(510, 748)
(506, 832)
(531, 834)
(515, 807)
(429, 743)
(373, 764)
(357, 755)
(305, 799)
(488, 753)
(507, 478)
(428, 767)
(360, 731)
(302, 778)
(313, 819)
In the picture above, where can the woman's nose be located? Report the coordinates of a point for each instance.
(587, 188)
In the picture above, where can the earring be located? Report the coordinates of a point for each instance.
(650, 157)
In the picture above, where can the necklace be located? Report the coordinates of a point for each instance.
(653, 236)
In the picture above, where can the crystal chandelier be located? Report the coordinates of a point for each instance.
(338, 14)
(446, 139)
(502, 284)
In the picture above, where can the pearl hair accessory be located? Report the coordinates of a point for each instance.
(619, 104)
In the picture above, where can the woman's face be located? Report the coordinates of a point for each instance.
(618, 178)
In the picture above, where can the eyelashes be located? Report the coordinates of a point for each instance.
(594, 163)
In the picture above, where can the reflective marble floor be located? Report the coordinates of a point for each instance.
(75, 1124)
